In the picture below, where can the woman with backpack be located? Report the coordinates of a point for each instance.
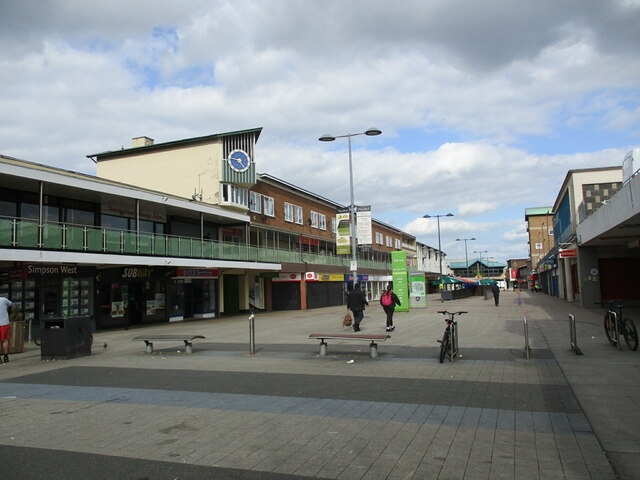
(389, 300)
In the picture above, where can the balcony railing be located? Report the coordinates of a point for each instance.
(27, 233)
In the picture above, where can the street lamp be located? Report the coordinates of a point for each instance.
(480, 252)
(354, 243)
(466, 258)
(439, 247)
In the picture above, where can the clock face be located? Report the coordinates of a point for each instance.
(239, 160)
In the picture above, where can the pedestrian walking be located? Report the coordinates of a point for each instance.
(356, 302)
(5, 328)
(389, 300)
(496, 293)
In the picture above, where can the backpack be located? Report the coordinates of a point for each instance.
(386, 299)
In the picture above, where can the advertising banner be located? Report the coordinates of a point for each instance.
(400, 279)
(363, 225)
(343, 232)
(418, 298)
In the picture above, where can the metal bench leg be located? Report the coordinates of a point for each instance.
(323, 348)
(187, 347)
(149, 346)
(373, 350)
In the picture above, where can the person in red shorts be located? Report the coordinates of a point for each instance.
(5, 328)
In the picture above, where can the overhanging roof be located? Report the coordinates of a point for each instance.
(126, 152)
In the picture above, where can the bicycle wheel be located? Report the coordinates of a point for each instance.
(444, 346)
(609, 329)
(630, 333)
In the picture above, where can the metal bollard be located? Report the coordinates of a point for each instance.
(527, 348)
(573, 335)
(252, 334)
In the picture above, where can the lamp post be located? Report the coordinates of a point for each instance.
(330, 138)
(439, 247)
(480, 252)
(466, 258)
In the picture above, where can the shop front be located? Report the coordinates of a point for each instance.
(286, 291)
(324, 289)
(132, 296)
(41, 291)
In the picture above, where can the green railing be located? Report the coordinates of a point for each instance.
(26, 233)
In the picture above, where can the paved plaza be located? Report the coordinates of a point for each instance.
(287, 413)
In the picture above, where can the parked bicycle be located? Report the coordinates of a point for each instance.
(449, 342)
(615, 325)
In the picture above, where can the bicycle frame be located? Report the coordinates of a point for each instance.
(616, 326)
(452, 328)
(452, 325)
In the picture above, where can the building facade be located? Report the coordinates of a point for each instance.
(121, 255)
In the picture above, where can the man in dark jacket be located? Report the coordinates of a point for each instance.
(356, 302)
(496, 293)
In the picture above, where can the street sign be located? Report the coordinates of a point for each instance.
(568, 253)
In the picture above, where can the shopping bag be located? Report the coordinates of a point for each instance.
(347, 320)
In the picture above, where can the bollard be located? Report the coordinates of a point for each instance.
(323, 348)
(573, 335)
(527, 349)
(252, 333)
(373, 350)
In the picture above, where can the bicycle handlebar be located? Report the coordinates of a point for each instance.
(444, 312)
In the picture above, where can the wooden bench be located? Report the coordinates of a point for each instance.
(373, 346)
(149, 339)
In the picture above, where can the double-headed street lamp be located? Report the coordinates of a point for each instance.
(466, 258)
(439, 247)
(480, 252)
(330, 138)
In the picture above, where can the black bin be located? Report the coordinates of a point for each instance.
(65, 337)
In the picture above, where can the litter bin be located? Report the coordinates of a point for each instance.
(446, 295)
(65, 337)
(487, 293)
(16, 343)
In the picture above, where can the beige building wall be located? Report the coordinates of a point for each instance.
(184, 172)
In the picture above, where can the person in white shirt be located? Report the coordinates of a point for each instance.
(5, 328)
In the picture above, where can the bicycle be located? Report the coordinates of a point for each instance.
(615, 325)
(449, 342)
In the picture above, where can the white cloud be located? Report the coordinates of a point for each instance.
(83, 77)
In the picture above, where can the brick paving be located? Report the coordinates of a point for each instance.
(287, 413)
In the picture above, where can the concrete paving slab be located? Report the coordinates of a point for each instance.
(288, 413)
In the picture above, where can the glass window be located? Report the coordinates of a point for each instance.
(235, 195)
(114, 222)
(146, 226)
(8, 209)
(255, 205)
(314, 219)
(79, 217)
(268, 206)
(288, 212)
(29, 210)
(298, 214)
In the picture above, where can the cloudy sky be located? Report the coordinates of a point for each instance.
(484, 105)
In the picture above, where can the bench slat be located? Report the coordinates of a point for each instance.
(346, 336)
(168, 337)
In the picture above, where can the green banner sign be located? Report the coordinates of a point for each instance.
(400, 279)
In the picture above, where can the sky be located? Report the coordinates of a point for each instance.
(484, 106)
